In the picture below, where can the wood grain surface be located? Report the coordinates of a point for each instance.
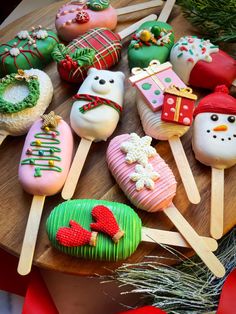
(96, 181)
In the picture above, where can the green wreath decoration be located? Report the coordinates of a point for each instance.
(29, 101)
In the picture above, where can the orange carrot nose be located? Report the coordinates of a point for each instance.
(222, 127)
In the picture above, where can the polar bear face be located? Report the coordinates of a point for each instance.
(106, 84)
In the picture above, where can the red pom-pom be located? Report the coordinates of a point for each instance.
(221, 89)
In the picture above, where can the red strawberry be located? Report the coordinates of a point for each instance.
(75, 235)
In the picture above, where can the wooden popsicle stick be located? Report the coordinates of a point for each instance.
(3, 135)
(165, 12)
(75, 169)
(132, 28)
(184, 170)
(173, 238)
(217, 203)
(30, 237)
(138, 7)
(195, 241)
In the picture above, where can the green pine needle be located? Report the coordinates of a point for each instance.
(216, 19)
(189, 288)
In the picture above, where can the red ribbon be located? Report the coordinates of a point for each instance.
(32, 287)
(227, 304)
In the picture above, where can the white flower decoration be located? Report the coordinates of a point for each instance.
(14, 52)
(144, 177)
(41, 34)
(138, 149)
(23, 34)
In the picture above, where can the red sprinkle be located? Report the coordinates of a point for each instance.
(190, 60)
(183, 48)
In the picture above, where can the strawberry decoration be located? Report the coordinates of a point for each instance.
(75, 235)
(82, 17)
(106, 222)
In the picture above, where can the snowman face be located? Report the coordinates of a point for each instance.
(214, 139)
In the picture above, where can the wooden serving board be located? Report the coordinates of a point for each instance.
(96, 181)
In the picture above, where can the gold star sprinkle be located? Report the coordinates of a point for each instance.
(50, 120)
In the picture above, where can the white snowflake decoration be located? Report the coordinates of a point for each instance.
(144, 177)
(41, 34)
(138, 149)
(23, 34)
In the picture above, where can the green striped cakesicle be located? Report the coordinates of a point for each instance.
(79, 211)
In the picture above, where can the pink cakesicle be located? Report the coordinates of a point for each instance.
(149, 184)
(44, 165)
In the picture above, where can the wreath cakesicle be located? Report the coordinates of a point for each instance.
(24, 96)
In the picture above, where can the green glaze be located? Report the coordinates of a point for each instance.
(98, 5)
(28, 102)
(142, 56)
(105, 249)
(29, 57)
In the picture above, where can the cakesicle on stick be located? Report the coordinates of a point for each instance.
(150, 185)
(24, 96)
(44, 165)
(199, 63)
(214, 136)
(94, 117)
(103, 230)
(165, 107)
(99, 48)
(77, 17)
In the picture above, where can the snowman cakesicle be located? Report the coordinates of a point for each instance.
(214, 144)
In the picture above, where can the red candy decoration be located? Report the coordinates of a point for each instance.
(75, 235)
(82, 17)
(106, 222)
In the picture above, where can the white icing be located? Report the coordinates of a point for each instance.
(154, 126)
(19, 123)
(211, 151)
(144, 177)
(138, 149)
(23, 34)
(14, 52)
(99, 123)
(180, 59)
(15, 93)
(41, 34)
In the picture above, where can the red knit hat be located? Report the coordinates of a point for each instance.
(217, 102)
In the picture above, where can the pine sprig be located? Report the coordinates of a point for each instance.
(215, 19)
(189, 288)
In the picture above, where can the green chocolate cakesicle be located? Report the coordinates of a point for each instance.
(79, 211)
(152, 41)
(29, 49)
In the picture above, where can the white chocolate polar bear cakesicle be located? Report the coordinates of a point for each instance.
(214, 144)
(94, 117)
(105, 91)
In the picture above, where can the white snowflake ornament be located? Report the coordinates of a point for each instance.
(138, 149)
(144, 177)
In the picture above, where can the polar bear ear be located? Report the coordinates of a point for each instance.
(120, 75)
(92, 71)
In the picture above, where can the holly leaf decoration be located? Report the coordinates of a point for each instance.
(84, 56)
(59, 52)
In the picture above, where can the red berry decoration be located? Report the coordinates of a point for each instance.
(106, 222)
(75, 235)
(82, 17)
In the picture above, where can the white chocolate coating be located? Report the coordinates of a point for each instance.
(197, 49)
(99, 123)
(154, 126)
(19, 123)
(214, 148)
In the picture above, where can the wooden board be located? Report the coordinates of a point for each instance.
(96, 181)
